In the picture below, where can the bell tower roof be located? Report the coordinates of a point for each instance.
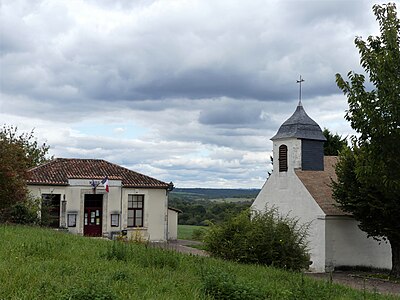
(300, 126)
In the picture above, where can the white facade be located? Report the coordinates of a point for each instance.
(114, 205)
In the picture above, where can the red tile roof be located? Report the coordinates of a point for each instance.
(58, 171)
(318, 184)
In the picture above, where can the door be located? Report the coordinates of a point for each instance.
(93, 215)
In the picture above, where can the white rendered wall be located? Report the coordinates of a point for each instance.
(285, 191)
(347, 245)
(155, 207)
(155, 214)
(172, 224)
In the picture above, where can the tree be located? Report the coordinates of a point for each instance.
(18, 153)
(334, 143)
(368, 182)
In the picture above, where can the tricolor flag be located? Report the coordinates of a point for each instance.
(105, 183)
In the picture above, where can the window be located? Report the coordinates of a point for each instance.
(135, 210)
(283, 166)
(50, 212)
(71, 220)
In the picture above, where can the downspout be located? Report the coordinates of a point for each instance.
(169, 189)
(120, 212)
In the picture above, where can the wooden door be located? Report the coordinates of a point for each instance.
(93, 215)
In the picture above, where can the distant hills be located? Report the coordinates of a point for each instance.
(204, 193)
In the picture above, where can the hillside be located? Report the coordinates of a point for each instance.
(38, 263)
(202, 206)
(204, 193)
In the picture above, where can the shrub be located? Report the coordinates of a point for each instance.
(198, 234)
(24, 212)
(267, 239)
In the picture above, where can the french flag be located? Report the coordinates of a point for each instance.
(105, 183)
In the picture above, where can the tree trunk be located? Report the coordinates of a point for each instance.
(395, 244)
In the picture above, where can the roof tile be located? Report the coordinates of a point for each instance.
(318, 184)
(58, 171)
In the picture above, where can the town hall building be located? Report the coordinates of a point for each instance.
(93, 197)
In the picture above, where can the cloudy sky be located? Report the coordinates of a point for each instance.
(188, 91)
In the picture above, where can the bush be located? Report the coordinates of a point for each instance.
(198, 234)
(24, 212)
(266, 239)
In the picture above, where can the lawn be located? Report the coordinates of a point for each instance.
(185, 232)
(39, 263)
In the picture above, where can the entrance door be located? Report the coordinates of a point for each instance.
(93, 215)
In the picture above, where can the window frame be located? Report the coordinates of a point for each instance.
(136, 210)
(54, 203)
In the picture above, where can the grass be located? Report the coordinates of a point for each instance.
(185, 232)
(39, 263)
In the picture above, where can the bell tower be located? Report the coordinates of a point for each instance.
(299, 143)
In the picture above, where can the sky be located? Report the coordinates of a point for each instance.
(188, 91)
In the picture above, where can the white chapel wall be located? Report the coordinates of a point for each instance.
(285, 191)
(347, 245)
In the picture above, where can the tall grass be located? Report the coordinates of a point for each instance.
(37, 263)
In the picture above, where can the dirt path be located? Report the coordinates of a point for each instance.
(358, 280)
(182, 246)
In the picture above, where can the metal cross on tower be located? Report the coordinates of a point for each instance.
(299, 82)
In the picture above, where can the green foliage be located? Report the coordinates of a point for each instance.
(204, 212)
(38, 263)
(35, 153)
(24, 212)
(334, 143)
(266, 239)
(369, 176)
(18, 153)
(198, 234)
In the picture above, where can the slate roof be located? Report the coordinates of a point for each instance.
(301, 126)
(58, 171)
(318, 184)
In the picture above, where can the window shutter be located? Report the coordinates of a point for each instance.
(283, 165)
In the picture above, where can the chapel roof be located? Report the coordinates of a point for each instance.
(59, 170)
(318, 184)
(301, 126)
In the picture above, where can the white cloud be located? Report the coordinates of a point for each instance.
(188, 91)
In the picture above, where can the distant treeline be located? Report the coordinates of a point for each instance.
(203, 193)
(199, 208)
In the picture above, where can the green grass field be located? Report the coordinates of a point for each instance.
(185, 232)
(39, 263)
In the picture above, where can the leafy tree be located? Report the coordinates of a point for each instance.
(368, 183)
(18, 153)
(334, 143)
(35, 153)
